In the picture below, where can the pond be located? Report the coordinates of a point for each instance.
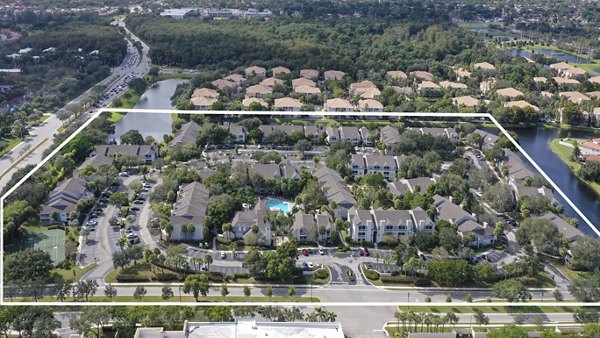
(537, 145)
(562, 56)
(151, 124)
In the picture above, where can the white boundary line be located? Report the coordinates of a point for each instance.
(314, 113)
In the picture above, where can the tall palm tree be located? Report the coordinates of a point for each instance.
(427, 321)
(451, 318)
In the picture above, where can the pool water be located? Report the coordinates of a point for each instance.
(273, 203)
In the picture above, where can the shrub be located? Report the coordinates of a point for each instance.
(422, 282)
(167, 277)
(322, 274)
(371, 274)
(130, 278)
(528, 281)
(216, 277)
(397, 280)
(242, 275)
(65, 264)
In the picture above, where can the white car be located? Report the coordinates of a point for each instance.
(321, 251)
(311, 265)
(223, 255)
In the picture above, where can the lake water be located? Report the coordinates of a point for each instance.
(567, 57)
(151, 124)
(537, 145)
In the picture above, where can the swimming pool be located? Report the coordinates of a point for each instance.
(276, 204)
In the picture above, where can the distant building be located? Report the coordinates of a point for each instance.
(249, 328)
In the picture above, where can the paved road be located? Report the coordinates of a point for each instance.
(133, 65)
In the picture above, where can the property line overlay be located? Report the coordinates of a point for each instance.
(281, 113)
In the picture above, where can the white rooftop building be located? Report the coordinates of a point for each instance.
(247, 328)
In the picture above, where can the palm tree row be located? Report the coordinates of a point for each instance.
(432, 322)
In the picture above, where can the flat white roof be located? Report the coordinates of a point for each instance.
(249, 328)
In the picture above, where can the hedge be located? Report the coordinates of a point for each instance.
(130, 279)
(321, 274)
(371, 274)
(241, 275)
(397, 280)
(166, 277)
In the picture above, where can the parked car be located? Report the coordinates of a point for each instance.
(138, 202)
(223, 255)
(311, 265)
(305, 252)
(135, 209)
(124, 174)
(321, 251)
(91, 223)
(304, 265)
(366, 251)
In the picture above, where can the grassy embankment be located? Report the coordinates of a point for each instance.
(564, 153)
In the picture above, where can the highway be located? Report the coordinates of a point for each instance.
(30, 151)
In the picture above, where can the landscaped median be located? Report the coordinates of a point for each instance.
(492, 309)
(184, 298)
(392, 279)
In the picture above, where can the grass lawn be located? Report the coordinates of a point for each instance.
(564, 153)
(62, 274)
(571, 274)
(114, 116)
(43, 118)
(588, 67)
(188, 298)
(489, 309)
(10, 144)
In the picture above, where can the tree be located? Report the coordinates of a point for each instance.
(132, 136)
(557, 295)
(586, 289)
(224, 290)
(208, 260)
(500, 197)
(92, 316)
(540, 234)
(511, 290)
(447, 272)
(480, 317)
(27, 266)
(485, 274)
(196, 284)
(586, 254)
(118, 199)
(62, 289)
(269, 292)
(166, 292)
(110, 291)
(86, 289)
(291, 292)
(509, 331)
(247, 292)
(139, 292)
(583, 316)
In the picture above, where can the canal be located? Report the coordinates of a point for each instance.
(151, 124)
(537, 144)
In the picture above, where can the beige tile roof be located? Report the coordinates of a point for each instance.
(396, 74)
(575, 97)
(428, 85)
(484, 66)
(562, 81)
(595, 94)
(271, 82)
(205, 92)
(565, 67)
(222, 84)
(333, 75)
(370, 93)
(280, 70)
(461, 72)
(303, 82)
(249, 100)
(370, 104)
(423, 75)
(285, 102)
(540, 79)
(259, 89)
(338, 103)
(546, 94)
(237, 78)
(594, 79)
(309, 73)
(521, 104)
(509, 92)
(201, 101)
(255, 70)
(453, 85)
(467, 101)
(307, 90)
